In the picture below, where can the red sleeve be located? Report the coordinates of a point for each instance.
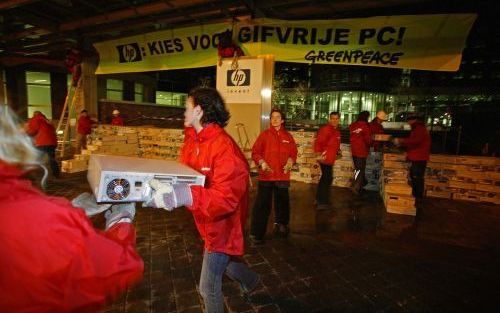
(103, 265)
(62, 261)
(319, 144)
(229, 184)
(258, 149)
(33, 127)
(416, 137)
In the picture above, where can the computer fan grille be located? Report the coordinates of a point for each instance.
(118, 189)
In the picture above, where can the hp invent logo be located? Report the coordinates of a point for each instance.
(238, 77)
(129, 53)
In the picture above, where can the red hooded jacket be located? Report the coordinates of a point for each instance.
(418, 145)
(274, 147)
(117, 121)
(43, 131)
(220, 208)
(85, 125)
(360, 139)
(52, 259)
(328, 140)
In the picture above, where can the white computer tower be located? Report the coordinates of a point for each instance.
(125, 179)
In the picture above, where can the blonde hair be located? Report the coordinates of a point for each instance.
(15, 145)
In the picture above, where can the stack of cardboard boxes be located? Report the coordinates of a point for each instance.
(395, 190)
(307, 169)
(160, 143)
(466, 178)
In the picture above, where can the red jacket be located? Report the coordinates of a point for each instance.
(418, 145)
(360, 139)
(376, 128)
(85, 125)
(274, 147)
(52, 259)
(117, 121)
(328, 140)
(220, 208)
(43, 131)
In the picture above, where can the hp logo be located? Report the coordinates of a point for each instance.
(238, 77)
(129, 53)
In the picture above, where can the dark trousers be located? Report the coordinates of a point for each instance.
(325, 184)
(417, 175)
(262, 206)
(359, 173)
(51, 153)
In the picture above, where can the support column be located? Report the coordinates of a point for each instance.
(17, 94)
(89, 84)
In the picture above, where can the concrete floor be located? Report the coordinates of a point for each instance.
(334, 261)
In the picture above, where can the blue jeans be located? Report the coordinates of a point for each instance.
(215, 264)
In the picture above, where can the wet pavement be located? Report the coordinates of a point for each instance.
(352, 258)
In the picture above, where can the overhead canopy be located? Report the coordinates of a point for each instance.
(425, 42)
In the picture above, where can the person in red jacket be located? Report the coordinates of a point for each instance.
(117, 120)
(52, 259)
(219, 208)
(275, 151)
(377, 128)
(328, 146)
(85, 124)
(418, 146)
(360, 138)
(45, 138)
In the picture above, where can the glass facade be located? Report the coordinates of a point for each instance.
(114, 89)
(314, 108)
(176, 99)
(39, 97)
(138, 92)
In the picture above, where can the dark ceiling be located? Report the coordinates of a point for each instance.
(41, 31)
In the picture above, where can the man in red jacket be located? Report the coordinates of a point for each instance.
(52, 259)
(360, 138)
(117, 120)
(275, 151)
(219, 208)
(328, 146)
(418, 146)
(377, 128)
(45, 138)
(85, 124)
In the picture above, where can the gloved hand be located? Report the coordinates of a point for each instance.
(264, 166)
(288, 165)
(322, 156)
(167, 196)
(120, 213)
(87, 202)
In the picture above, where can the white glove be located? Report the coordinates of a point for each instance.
(264, 166)
(322, 156)
(88, 203)
(120, 213)
(288, 166)
(167, 196)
